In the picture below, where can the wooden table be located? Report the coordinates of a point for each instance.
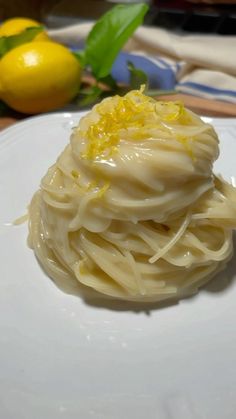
(200, 106)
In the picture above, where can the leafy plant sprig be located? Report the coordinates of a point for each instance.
(105, 40)
(108, 36)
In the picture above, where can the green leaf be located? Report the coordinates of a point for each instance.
(109, 81)
(80, 56)
(109, 35)
(9, 42)
(89, 96)
(137, 76)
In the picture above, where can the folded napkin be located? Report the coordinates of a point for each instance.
(202, 65)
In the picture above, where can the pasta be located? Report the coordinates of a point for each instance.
(132, 208)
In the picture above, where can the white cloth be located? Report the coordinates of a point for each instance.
(205, 65)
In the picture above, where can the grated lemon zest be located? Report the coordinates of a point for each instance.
(91, 185)
(187, 145)
(75, 174)
(134, 110)
(169, 111)
(102, 191)
(94, 184)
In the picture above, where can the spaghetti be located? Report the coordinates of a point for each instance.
(131, 208)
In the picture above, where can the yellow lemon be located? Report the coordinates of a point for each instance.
(38, 77)
(17, 25)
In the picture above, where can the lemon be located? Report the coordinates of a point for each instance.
(17, 24)
(38, 77)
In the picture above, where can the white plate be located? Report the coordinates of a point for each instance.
(63, 358)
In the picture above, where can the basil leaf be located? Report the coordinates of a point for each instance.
(80, 56)
(3, 46)
(89, 96)
(109, 34)
(137, 76)
(109, 81)
(9, 42)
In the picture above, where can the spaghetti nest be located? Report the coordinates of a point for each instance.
(131, 208)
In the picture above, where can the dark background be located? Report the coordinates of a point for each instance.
(204, 16)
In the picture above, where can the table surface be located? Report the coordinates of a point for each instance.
(199, 105)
